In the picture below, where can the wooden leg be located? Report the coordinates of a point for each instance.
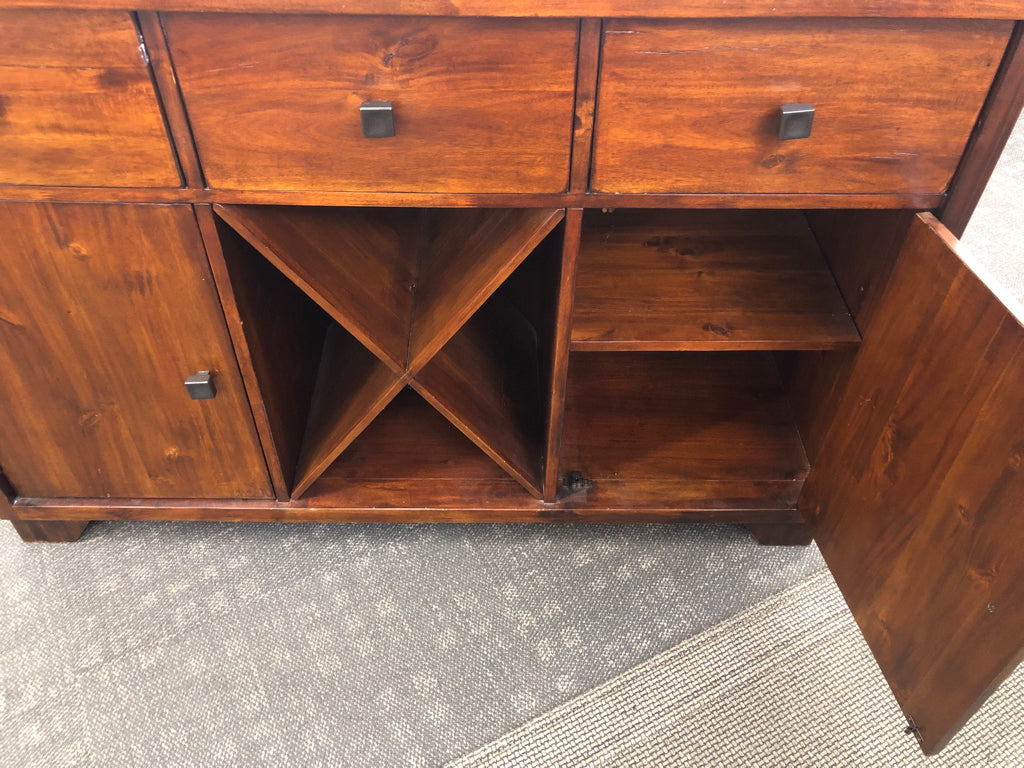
(50, 530)
(781, 534)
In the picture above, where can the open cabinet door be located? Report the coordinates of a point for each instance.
(916, 497)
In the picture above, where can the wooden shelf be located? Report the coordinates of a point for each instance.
(705, 280)
(700, 431)
(412, 457)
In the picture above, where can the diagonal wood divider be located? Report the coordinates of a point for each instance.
(413, 298)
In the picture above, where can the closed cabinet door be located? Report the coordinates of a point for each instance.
(105, 310)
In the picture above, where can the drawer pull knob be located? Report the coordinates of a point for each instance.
(378, 119)
(795, 121)
(200, 386)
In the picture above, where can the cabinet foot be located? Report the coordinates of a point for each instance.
(50, 530)
(781, 534)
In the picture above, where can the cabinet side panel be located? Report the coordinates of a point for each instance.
(860, 248)
(915, 495)
(104, 311)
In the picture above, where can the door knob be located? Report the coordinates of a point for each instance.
(795, 121)
(378, 119)
(200, 386)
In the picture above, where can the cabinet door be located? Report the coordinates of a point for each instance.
(916, 497)
(104, 311)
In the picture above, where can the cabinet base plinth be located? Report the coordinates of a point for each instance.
(791, 534)
(56, 531)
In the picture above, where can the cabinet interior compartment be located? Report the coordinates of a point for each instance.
(702, 346)
(705, 280)
(708, 432)
(362, 303)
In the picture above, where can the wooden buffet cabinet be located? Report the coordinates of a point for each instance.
(488, 260)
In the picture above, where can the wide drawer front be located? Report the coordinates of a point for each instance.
(476, 105)
(695, 106)
(77, 104)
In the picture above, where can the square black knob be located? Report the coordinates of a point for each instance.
(795, 121)
(378, 119)
(200, 386)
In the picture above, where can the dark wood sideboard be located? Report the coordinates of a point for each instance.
(488, 260)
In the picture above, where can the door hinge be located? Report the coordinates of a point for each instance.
(912, 728)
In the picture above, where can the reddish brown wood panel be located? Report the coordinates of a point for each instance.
(560, 351)
(702, 280)
(469, 254)
(170, 99)
(681, 430)
(352, 387)
(104, 310)
(420, 199)
(487, 382)
(693, 106)
(970, 9)
(994, 128)
(278, 333)
(915, 496)
(359, 265)
(861, 248)
(55, 531)
(586, 103)
(480, 105)
(77, 105)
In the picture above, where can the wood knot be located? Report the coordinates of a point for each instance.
(718, 330)
(773, 161)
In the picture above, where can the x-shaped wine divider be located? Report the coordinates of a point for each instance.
(407, 287)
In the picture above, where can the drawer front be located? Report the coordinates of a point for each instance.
(695, 107)
(77, 104)
(478, 105)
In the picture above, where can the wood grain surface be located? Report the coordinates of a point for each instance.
(487, 382)
(353, 386)
(698, 430)
(77, 104)
(915, 496)
(278, 334)
(358, 265)
(986, 146)
(104, 310)
(480, 105)
(970, 9)
(693, 106)
(684, 280)
(468, 254)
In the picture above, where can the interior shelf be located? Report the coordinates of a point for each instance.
(705, 280)
(693, 431)
(412, 298)
(411, 457)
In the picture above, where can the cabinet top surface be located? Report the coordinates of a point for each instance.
(993, 9)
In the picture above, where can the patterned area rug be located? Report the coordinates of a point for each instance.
(788, 682)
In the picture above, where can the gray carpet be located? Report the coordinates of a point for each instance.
(788, 682)
(159, 644)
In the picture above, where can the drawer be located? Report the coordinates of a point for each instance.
(478, 105)
(694, 106)
(77, 104)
